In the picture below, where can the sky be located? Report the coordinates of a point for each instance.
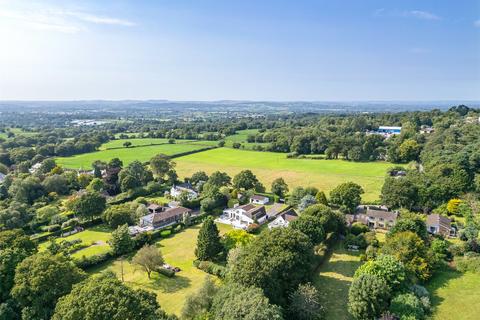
(274, 50)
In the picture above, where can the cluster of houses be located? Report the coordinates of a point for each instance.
(254, 212)
(380, 217)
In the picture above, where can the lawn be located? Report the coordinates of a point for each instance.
(138, 142)
(455, 295)
(267, 166)
(127, 155)
(177, 251)
(97, 236)
(333, 281)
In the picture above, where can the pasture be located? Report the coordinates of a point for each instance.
(137, 142)
(267, 166)
(127, 155)
(178, 251)
(333, 281)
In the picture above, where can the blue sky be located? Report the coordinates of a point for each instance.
(240, 49)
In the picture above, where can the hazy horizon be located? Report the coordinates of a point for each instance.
(320, 51)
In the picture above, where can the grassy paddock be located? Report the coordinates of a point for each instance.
(455, 295)
(333, 281)
(323, 174)
(177, 251)
(127, 155)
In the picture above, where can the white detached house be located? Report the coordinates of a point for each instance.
(259, 199)
(242, 216)
(283, 219)
(176, 191)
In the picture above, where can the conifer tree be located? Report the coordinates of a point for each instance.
(208, 241)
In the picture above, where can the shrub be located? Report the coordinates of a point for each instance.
(70, 223)
(53, 227)
(253, 228)
(358, 228)
(368, 297)
(458, 249)
(352, 240)
(166, 272)
(87, 262)
(211, 268)
(468, 263)
(407, 306)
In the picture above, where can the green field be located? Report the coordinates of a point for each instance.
(96, 237)
(177, 251)
(241, 137)
(333, 281)
(455, 295)
(323, 174)
(138, 142)
(17, 132)
(127, 155)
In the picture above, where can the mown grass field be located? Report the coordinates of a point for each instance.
(455, 295)
(267, 166)
(96, 237)
(138, 142)
(177, 251)
(333, 281)
(127, 155)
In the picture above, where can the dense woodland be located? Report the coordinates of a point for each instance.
(441, 175)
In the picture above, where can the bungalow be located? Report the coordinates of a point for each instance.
(176, 191)
(376, 217)
(258, 199)
(242, 216)
(437, 224)
(162, 216)
(283, 219)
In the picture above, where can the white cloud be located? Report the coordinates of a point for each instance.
(421, 15)
(418, 14)
(56, 20)
(101, 19)
(477, 23)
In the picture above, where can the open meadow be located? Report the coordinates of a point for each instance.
(267, 166)
(127, 155)
(178, 251)
(138, 142)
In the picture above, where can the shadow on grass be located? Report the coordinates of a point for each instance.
(333, 296)
(344, 268)
(164, 284)
(441, 280)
